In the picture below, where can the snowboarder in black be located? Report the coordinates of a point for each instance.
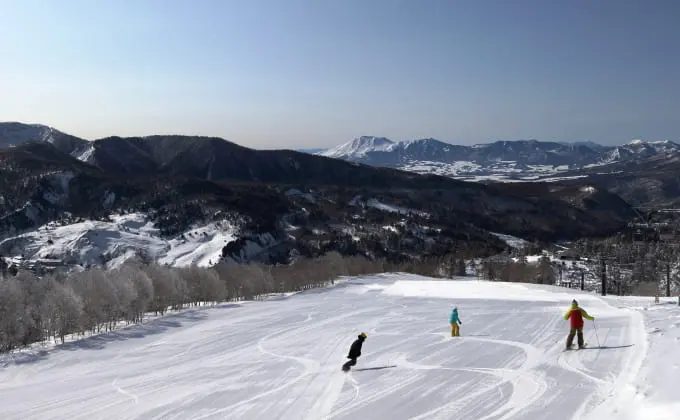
(354, 352)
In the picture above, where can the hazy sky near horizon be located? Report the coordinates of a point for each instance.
(316, 73)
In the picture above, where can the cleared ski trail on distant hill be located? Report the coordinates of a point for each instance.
(281, 359)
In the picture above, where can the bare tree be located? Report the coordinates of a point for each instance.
(163, 284)
(336, 265)
(11, 314)
(64, 310)
(141, 293)
(204, 285)
(545, 273)
(34, 294)
(98, 296)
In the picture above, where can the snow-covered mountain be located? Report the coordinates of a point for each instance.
(520, 160)
(360, 147)
(109, 243)
(500, 160)
(638, 150)
(14, 134)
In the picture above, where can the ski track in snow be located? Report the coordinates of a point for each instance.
(281, 360)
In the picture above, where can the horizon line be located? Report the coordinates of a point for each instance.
(296, 148)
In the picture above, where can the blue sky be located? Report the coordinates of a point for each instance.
(316, 73)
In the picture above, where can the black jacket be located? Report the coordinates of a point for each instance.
(355, 349)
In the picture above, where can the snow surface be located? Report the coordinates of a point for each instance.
(651, 393)
(511, 241)
(376, 204)
(86, 155)
(91, 242)
(442, 168)
(281, 359)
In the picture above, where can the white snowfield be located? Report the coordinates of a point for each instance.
(118, 240)
(281, 359)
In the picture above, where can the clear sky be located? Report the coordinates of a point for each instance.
(316, 73)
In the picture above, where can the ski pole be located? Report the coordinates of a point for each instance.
(596, 336)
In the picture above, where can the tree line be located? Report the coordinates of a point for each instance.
(503, 268)
(643, 268)
(37, 309)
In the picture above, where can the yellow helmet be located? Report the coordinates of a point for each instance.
(363, 334)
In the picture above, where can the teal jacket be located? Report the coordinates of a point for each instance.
(454, 317)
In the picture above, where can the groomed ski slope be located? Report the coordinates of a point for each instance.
(280, 359)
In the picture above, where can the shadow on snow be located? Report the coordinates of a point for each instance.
(607, 347)
(375, 368)
(99, 341)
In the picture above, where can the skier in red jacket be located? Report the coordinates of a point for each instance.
(576, 314)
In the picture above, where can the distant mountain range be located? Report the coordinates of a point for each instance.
(280, 203)
(520, 160)
(643, 173)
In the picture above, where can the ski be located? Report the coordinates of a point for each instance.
(573, 347)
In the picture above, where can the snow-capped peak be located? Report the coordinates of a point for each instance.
(663, 146)
(658, 143)
(359, 147)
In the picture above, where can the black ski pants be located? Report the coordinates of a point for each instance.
(352, 361)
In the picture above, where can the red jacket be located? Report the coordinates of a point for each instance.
(576, 315)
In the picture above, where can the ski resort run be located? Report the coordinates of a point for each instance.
(281, 358)
(94, 242)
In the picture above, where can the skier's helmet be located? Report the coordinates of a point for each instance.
(362, 335)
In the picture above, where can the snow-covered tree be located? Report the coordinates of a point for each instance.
(12, 309)
(63, 310)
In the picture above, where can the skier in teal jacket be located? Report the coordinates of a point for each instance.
(454, 320)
